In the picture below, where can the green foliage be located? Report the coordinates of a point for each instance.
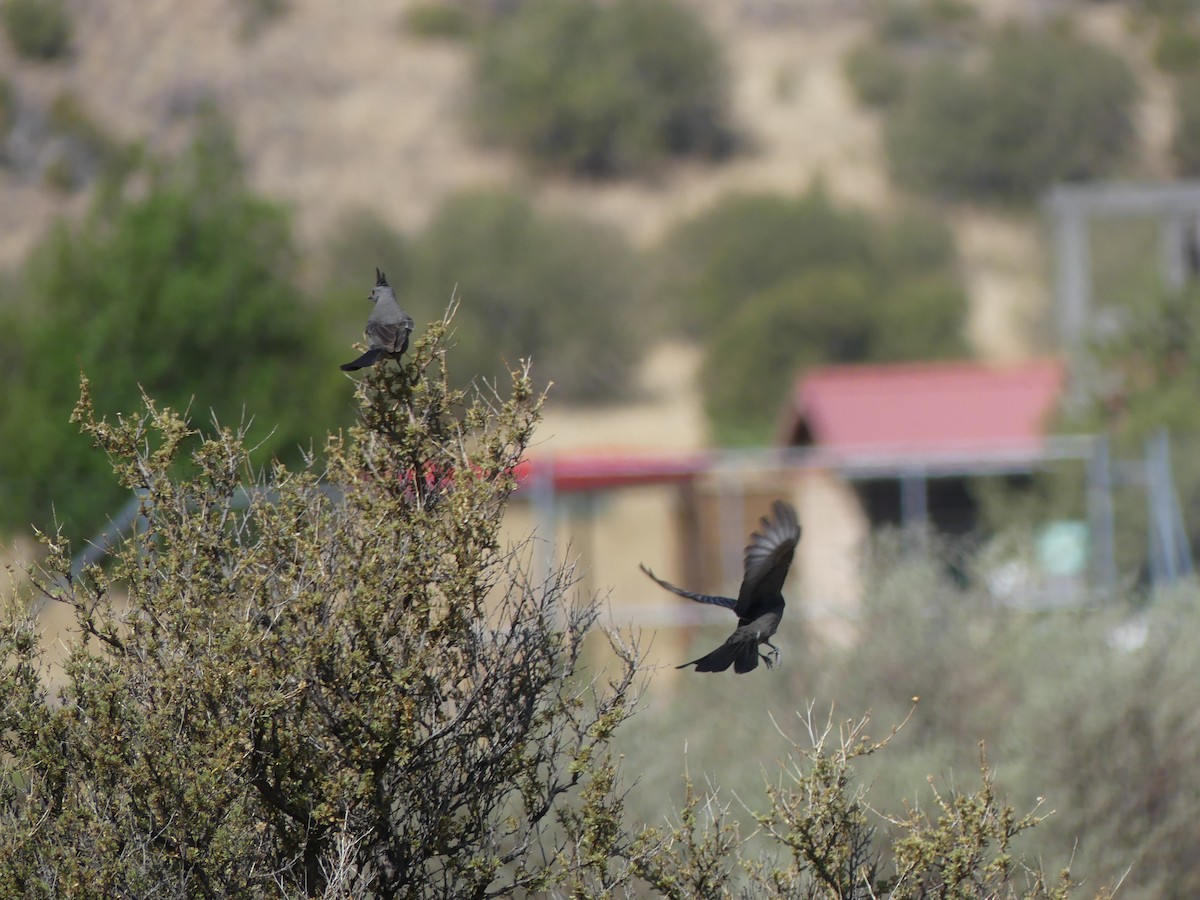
(560, 290)
(1045, 108)
(773, 285)
(914, 22)
(8, 108)
(602, 89)
(817, 837)
(1185, 142)
(747, 243)
(875, 73)
(181, 289)
(37, 29)
(258, 15)
(439, 19)
(345, 680)
(1177, 46)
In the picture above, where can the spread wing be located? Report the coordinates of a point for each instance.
(768, 558)
(727, 602)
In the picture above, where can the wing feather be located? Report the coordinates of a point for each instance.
(727, 602)
(768, 558)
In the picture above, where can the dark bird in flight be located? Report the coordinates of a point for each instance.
(759, 604)
(388, 327)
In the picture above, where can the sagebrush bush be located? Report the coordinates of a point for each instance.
(602, 89)
(328, 675)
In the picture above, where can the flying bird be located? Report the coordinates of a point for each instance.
(388, 327)
(759, 604)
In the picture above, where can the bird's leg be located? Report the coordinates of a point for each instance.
(774, 652)
(767, 660)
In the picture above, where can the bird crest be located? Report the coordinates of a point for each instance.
(380, 278)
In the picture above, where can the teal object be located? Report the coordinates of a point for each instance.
(1062, 548)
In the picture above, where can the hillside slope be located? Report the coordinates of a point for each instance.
(336, 107)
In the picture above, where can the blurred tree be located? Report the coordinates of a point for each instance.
(1176, 46)
(747, 243)
(181, 288)
(560, 290)
(602, 89)
(37, 29)
(773, 285)
(1044, 108)
(875, 73)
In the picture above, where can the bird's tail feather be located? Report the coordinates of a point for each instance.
(743, 657)
(367, 359)
(747, 658)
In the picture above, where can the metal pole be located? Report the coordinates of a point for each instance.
(914, 505)
(1160, 530)
(731, 513)
(545, 505)
(1100, 515)
(1174, 238)
(1073, 261)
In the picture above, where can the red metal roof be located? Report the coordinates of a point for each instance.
(596, 471)
(924, 408)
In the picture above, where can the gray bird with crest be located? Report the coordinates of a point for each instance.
(759, 604)
(388, 327)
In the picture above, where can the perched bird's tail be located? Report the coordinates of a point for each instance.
(367, 359)
(743, 656)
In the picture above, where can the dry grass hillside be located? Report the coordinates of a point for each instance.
(337, 107)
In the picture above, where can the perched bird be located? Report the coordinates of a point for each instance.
(388, 327)
(759, 604)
